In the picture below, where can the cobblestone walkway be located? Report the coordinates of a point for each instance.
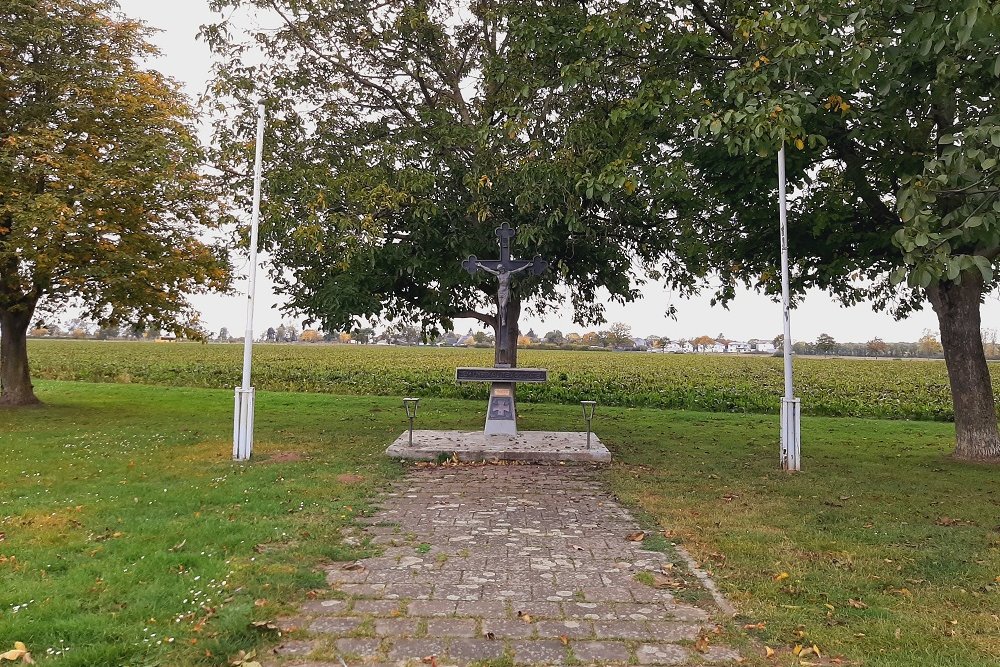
(530, 563)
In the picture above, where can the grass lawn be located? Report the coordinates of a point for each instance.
(129, 537)
(882, 551)
(124, 524)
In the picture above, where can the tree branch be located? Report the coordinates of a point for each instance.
(338, 63)
(488, 320)
(720, 30)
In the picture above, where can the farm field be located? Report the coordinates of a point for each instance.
(891, 389)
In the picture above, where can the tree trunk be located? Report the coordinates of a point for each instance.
(501, 356)
(15, 376)
(957, 308)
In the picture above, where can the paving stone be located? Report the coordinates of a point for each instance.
(366, 649)
(416, 649)
(720, 654)
(545, 652)
(451, 627)
(396, 627)
(661, 654)
(666, 631)
(363, 590)
(600, 652)
(401, 591)
(471, 650)
(325, 606)
(572, 629)
(689, 613)
(294, 647)
(638, 630)
(431, 608)
(376, 607)
(482, 608)
(538, 608)
(507, 628)
(334, 626)
(291, 623)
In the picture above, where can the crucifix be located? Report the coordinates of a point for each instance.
(504, 268)
(501, 413)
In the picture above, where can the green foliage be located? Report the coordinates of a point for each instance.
(714, 383)
(102, 199)
(402, 134)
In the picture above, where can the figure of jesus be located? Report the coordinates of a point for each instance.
(503, 291)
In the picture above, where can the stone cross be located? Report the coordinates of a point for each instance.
(503, 269)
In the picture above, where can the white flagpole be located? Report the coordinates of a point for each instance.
(790, 406)
(244, 408)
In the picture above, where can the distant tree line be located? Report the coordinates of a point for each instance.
(616, 337)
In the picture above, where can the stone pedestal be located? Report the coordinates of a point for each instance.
(501, 413)
(476, 446)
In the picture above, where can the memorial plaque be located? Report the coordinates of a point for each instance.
(501, 375)
(501, 407)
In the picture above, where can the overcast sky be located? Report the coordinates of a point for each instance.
(750, 316)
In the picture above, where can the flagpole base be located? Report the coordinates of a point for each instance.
(791, 442)
(243, 424)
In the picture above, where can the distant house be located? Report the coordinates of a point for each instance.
(686, 347)
(717, 346)
(167, 338)
(639, 343)
(737, 347)
(762, 346)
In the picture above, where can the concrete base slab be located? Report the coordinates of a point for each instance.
(474, 446)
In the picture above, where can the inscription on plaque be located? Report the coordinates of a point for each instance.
(501, 375)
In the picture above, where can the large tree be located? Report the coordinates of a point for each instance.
(402, 133)
(101, 197)
(887, 109)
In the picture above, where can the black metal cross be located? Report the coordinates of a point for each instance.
(505, 233)
(503, 269)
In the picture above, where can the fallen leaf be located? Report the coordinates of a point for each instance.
(781, 576)
(816, 651)
(663, 581)
(564, 639)
(701, 644)
(768, 652)
(857, 604)
(260, 602)
(19, 652)
(356, 565)
(898, 633)
(430, 660)
(666, 567)
(637, 536)
(490, 636)
(265, 626)
(524, 617)
(178, 547)
(755, 626)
